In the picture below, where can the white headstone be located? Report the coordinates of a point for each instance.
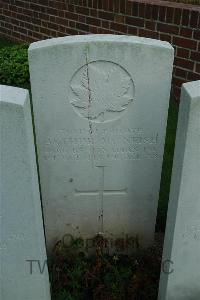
(21, 226)
(180, 276)
(100, 105)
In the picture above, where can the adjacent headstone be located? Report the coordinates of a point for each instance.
(180, 276)
(100, 107)
(23, 269)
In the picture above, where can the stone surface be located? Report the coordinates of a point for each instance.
(21, 226)
(180, 274)
(100, 106)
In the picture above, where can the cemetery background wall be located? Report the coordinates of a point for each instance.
(176, 23)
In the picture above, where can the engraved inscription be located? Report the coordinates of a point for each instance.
(106, 144)
(101, 91)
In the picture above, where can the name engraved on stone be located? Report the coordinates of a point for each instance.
(122, 145)
(101, 91)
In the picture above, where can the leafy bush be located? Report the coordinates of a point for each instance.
(75, 275)
(14, 68)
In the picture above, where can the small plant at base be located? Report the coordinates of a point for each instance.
(77, 276)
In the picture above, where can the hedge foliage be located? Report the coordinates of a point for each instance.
(14, 69)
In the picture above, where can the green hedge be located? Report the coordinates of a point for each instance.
(14, 68)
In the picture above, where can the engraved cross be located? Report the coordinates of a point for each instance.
(101, 192)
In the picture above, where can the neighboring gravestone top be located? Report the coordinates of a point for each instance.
(13, 95)
(100, 106)
(21, 227)
(180, 274)
(192, 89)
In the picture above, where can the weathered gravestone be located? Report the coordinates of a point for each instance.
(100, 106)
(21, 227)
(180, 276)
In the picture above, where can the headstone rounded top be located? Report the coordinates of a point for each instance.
(99, 38)
(192, 88)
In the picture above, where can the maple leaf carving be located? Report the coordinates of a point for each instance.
(101, 88)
